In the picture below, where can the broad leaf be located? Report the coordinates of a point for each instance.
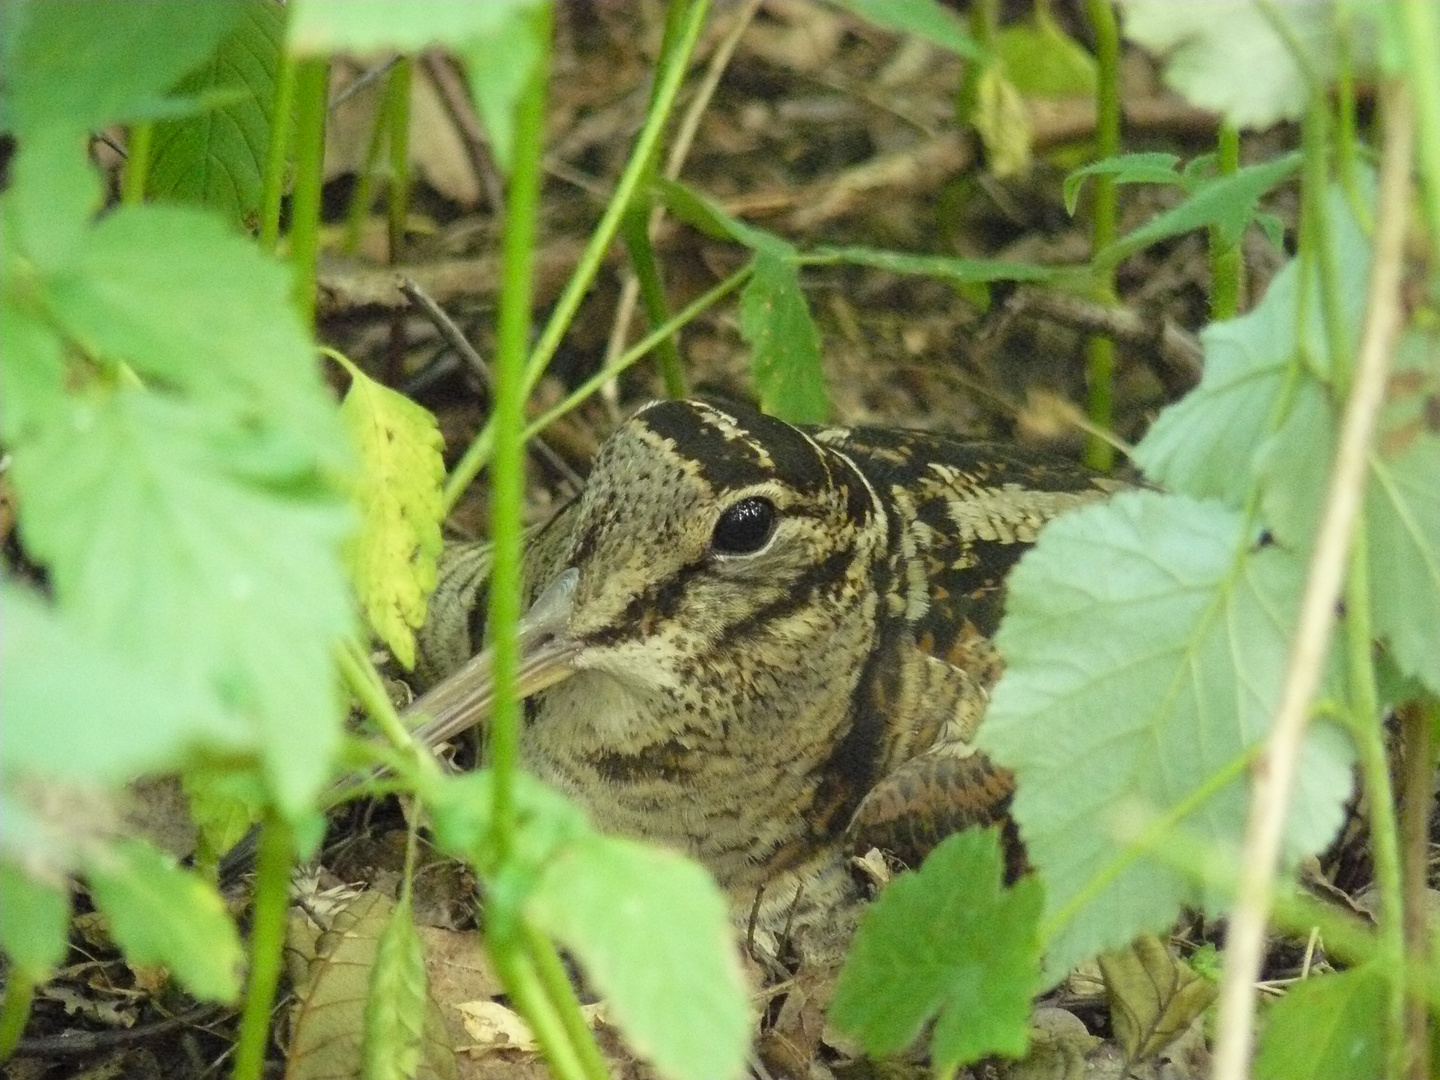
(409, 26)
(160, 914)
(654, 937)
(500, 61)
(928, 19)
(947, 940)
(784, 341)
(1154, 996)
(1328, 1027)
(34, 918)
(392, 558)
(1145, 641)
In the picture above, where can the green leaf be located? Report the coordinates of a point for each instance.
(927, 19)
(695, 209)
(78, 711)
(216, 158)
(653, 934)
(1147, 168)
(397, 1003)
(1145, 643)
(1328, 1027)
(32, 378)
(1225, 202)
(784, 342)
(1042, 60)
(34, 918)
(160, 914)
(407, 26)
(1232, 57)
(943, 267)
(194, 307)
(206, 554)
(53, 49)
(46, 211)
(392, 558)
(949, 939)
(1206, 444)
(500, 62)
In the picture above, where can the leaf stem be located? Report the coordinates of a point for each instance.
(312, 78)
(523, 984)
(272, 185)
(397, 115)
(267, 940)
(137, 162)
(479, 450)
(1227, 268)
(1274, 775)
(556, 983)
(1100, 350)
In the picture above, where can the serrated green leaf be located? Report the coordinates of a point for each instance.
(160, 914)
(784, 342)
(1330, 1027)
(34, 917)
(207, 554)
(192, 306)
(1147, 168)
(1206, 444)
(1231, 57)
(653, 934)
(1228, 203)
(392, 558)
(216, 157)
(948, 939)
(1145, 643)
(75, 710)
(397, 1003)
(52, 50)
(927, 19)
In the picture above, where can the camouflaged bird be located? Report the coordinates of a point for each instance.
(764, 645)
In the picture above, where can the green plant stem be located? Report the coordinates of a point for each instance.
(556, 983)
(1226, 265)
(1365, 729)
(669, 86)
(1419, 736)
(272, 186)
(15, 1008)
(267, 940)
(137, 162)
(363, 197)
(1315, 246)
(635, 230)
(507, 493)
(523, 984)
(1420, 21)
(1100, 351)
(397, 111)
(312, 79)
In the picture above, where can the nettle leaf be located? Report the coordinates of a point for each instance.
(207, 554)
(1146, 168)
(34, 917)
(397, 1002)
(653, 934)
(1234, 57)
(1328, 1027)
(392, 558)
(1145, 643)
(160, 914)
(52, 50)
(784, 341)
(216, 158)
(950, 940)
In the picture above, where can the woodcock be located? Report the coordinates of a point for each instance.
(763, 645)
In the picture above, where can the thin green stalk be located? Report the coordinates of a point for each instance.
(312, 78)
(556, 982)
(1315, 244)
(267, 940)
(1365, 729)
(1347, 139)
(1420, 733)
(1227, 269)
(585, 270)
(521, 982)
(635, 230)
(363, 197)
(397, 111)
(1100, 351)
(15, 1008)
(507, 493)
(1420, 20)
(137, 162)
(272, 186)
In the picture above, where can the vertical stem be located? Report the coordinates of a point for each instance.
(635, 230)
(273, 182)
(137, 163)
(507, 478)
(556, 983)
(312, 80)
(1100, 351)
(267, 940)
(521, 982)
(364, 194)
(397, 112)
(1420, 23)
(1419, 734)
(19, 992)
(1226, 266)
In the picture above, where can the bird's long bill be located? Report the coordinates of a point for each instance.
(464, 698)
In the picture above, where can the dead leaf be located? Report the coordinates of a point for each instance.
(1154, 996)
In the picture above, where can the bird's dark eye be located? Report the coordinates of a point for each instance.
(744, 527)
